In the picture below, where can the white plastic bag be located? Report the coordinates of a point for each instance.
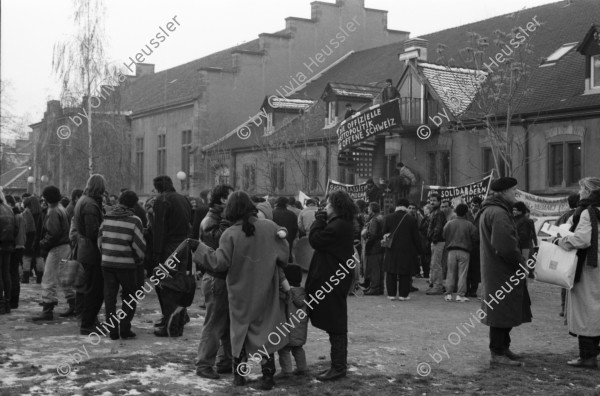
(556, 265)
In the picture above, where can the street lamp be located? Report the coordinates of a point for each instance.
(181, 176)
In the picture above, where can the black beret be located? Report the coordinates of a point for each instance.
(504, 183)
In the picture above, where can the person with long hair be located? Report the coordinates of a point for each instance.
(252, 253)
(32, 215)
(87, 217)
(583, 301)
(332, 237)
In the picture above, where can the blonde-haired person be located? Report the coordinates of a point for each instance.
(583, 303)
(87, 217)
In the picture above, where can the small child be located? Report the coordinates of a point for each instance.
(297, 335)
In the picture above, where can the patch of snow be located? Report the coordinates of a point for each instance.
(102, 383)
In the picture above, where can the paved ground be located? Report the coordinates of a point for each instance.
(387, 341)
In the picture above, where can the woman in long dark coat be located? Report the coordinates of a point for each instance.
(330, 276)
(401, 259)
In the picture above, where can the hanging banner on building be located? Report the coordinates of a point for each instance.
(465, 193)
(369, 122)
(356, 191)
(543, 206)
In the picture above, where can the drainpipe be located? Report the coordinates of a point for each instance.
(526, 126)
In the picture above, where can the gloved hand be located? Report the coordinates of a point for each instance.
(193, 243)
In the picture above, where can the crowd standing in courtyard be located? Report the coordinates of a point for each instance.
(87, 248)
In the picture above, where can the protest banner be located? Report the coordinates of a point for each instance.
(543, 206)
(369, 122)
(466, 193)
(356, 191)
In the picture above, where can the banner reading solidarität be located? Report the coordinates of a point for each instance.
(356, 191)
(369, 122)
(543, 206)
(467, 192)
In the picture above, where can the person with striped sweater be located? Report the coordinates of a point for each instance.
(122, 245)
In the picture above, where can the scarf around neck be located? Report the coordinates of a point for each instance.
(590, 204)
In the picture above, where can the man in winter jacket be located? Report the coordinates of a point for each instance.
(436, 237)
(372, 234)
(17, 256)
(506, 302)
(172, 225)
(8, 235)
(216, 322)
(284, 217)
(122, 245)
(55, 245)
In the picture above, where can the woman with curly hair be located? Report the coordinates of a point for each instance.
(252, 254)
(330, 276)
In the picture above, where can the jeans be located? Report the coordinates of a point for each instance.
(285, 358)
(458, 267)
(50, 280)
(400, 283)
(216, 326)
(435, 273)
(127, 280)
(499, 339)
(375, 272)
(39, 263)
(4, 276)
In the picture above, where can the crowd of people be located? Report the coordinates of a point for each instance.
(93, 245)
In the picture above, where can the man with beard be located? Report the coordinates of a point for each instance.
(172, 225)
(214, 285)
(373, 193)
(501, 271)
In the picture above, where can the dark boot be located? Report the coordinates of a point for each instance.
(7, 306)
(268, 371)
(26, 275)
(2, 307)
(39, 276)
(71, 310)
(47, 312)
(339, 355)
(240, 370)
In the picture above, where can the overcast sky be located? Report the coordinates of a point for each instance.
(30, 28)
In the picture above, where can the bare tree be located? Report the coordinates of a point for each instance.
(496, 92)
(81, 60)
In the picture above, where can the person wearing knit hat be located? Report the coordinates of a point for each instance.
(265, 209)
(55, 243)
(506, 301)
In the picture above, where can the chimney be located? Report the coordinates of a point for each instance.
(415, 48)
(144, 69)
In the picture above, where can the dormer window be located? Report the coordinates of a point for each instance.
(590, 48)
(331, 113)
(595, 67)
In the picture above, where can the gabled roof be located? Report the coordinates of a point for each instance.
(179, 84)
(456, 87)
(15, 178)
(556, 88)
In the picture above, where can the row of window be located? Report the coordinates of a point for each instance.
(161, 158)
(277, 176)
